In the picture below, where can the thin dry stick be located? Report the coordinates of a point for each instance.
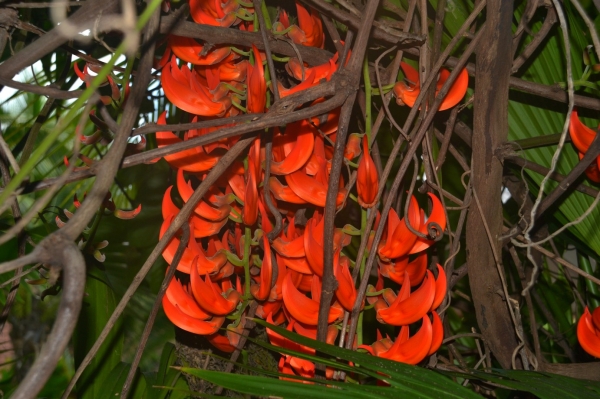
(5, 149)
(580, 219)
(582, 188)
(157, 304)
(538, 39)
(446, 139)
(556, 156)
(243, 337)
(532, 320)
(407, 25)
(591, 26)
(352, 70)
(269, 136)
(560, 260)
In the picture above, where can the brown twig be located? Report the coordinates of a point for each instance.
(268, 137)
(538, 39)
(248, 325)
(386, 35)
(235, 37)
(61, 251)
(566, 184)
(54, 38)
(352, 70)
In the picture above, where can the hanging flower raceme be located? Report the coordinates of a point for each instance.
(230, 258)
(588, 331)
(407, 93)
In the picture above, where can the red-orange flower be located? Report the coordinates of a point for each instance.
(582, 137)
(588, 331)
(407, 93)
(183, 89)
(367, 180)
(257, 87)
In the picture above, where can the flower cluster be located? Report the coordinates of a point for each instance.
(229, 261)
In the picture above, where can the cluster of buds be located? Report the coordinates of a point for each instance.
(229, 261)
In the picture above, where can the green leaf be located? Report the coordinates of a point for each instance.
(98, 304)
(167, 377)
(263, 386)
(412, 379)
(543, 385)
(116, 379)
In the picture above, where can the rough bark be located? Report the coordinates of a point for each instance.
(489, 133)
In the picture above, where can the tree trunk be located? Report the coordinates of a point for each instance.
(490, 130)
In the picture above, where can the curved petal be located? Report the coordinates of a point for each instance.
(261, 290)
(311, 25)
(202, 227)
(290, 249)
(437, 216)
(184, 97)
(588, 336)
(303, 135)
(309, 82)
(403, 312)
(302, 308)
(209, 298)
(581, 135)
(402, 239)
(190, 50)
(437, 334)
(312, 246)
(284, 193)
(266, 309)
(596, 318)
(250, 210)
(203, 209)
(440, 288)
(257, 87)
(413, 350)
(188, 323)
(184, 301)
(367, 180)
(310, 189)
(457, 91)
(189, 253)
(220, 342)
(299, 265)
(346, 291)
(192, 160)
